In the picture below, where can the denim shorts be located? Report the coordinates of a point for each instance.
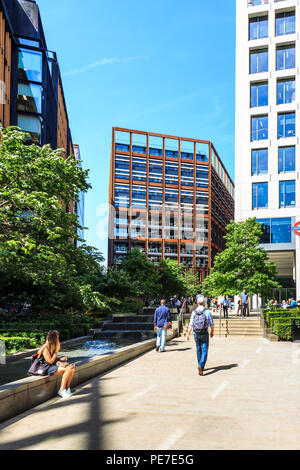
(52, 369)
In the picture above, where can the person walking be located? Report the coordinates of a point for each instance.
(201, 320)
(225, 303)
(245, 303)
(162, 322)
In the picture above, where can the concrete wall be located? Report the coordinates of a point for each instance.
(22, 395)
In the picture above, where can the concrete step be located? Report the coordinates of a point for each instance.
(137, 318)
(111, 326)
(138, 336)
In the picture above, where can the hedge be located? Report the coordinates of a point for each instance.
(283, 330)
(17, 343)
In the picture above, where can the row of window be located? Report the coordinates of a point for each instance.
(259, 92)
(287, 194)
(285, 59)
(286, 160)
(286, 126)
(285, 23)
(200, 156)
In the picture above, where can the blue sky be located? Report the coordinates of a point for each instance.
(164, 66)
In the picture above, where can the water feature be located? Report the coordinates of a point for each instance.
(75, 352)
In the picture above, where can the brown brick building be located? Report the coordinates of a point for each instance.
(170, 197)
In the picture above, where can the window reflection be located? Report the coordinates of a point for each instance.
(30, 98)
(30, 65)
(31, 124)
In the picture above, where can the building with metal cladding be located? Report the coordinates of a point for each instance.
(31, 87)
(268, 130)
(31, 91)
(170, 197)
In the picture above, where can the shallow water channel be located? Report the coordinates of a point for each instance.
(75, 352)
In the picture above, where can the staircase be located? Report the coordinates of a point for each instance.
(137, 327)
(235, 326)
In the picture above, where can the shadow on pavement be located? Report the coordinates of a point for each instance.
(214, 370)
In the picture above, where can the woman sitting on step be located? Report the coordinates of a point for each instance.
(57, 367)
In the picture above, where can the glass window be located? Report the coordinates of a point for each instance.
(259, 195)
(30, 98)
(29, 42)
(286, 91)
(286, 159)
(281, 230)
(122, 147)
(259, 161)
(285, 23)
(286, 125)
(30, 65)
(258, 27)
(285, 57)
(266, 226)
(259, 128)
(259, 61)
(276, 230)
(32, 125)
(259, 94)
(287, 193)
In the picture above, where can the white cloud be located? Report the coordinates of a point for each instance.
(101, 63)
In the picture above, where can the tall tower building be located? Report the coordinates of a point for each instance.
(170, 197)
(267, 154)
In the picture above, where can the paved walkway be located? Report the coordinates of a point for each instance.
(248, 399)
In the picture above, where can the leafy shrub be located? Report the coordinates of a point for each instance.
(17, 343)
(283, 329)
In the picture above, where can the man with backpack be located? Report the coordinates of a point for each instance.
(201, 320)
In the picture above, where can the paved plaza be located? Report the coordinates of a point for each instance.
(249, 398)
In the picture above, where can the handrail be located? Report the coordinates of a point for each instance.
(180, 317)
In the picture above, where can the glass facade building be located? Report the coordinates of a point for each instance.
(268, 128)
(32, 95)
(170, 197)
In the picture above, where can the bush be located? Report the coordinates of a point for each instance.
(270, 315)
(283, 329)
(17, 343)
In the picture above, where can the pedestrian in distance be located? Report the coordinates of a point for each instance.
(225, 304)
(162, 322)
(178, 305)
(200, 322)
(57, 367)
(245, 303)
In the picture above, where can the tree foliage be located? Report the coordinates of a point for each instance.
(243, 264)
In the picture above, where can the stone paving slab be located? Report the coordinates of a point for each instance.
(249, 398)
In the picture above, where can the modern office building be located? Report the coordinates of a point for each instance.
(267, 129)
(31, 91)
(170, 197)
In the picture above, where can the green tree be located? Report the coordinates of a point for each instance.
(38, 232)
(243, 264)
(144, 276)
(191, 283)
(172, 280)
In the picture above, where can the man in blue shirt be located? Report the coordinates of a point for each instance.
(245, 303)
(162, 321)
